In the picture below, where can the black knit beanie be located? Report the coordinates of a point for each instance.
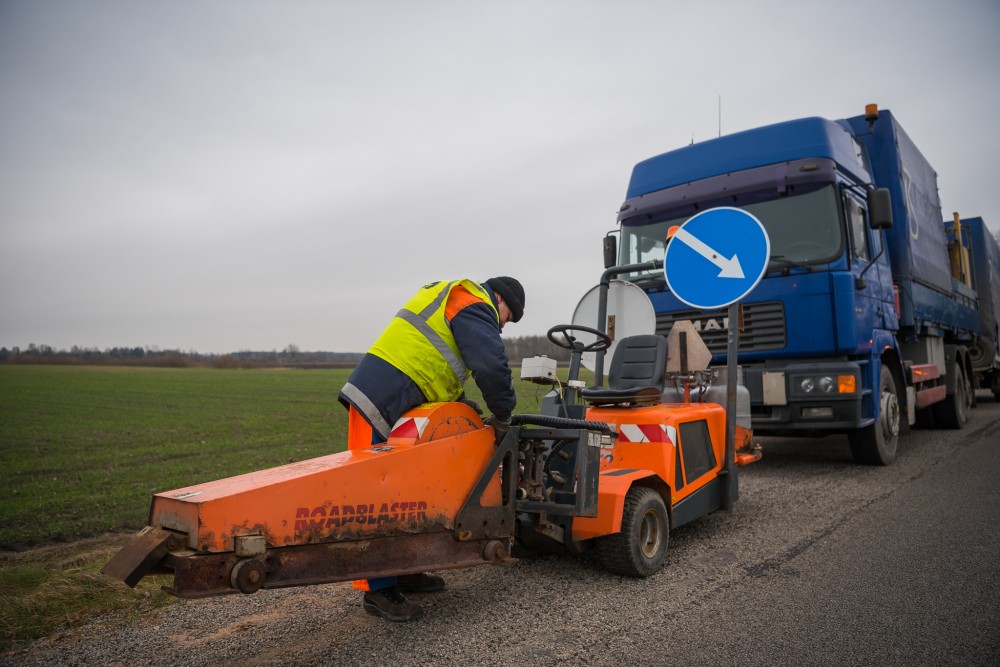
(512, 293)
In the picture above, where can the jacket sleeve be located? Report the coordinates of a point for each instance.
(477, 335)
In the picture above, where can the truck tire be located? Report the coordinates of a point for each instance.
(639, 549)
(953, 411)
(925, 417)
(876, 444)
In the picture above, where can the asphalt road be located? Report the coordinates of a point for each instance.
(822, 562)
(898, 566)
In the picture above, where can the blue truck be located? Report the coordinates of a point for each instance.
(872, 310)
(986, 279)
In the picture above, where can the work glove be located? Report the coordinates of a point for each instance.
(472, 404)
(500, 428)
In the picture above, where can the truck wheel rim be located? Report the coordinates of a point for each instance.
(890, 412)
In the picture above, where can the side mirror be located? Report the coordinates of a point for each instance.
(880, 208)
(610, 251)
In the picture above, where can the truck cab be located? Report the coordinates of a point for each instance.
(821, 342)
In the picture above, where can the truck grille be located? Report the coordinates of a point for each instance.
(763, 327)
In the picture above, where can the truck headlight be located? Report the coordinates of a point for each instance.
(824, 384)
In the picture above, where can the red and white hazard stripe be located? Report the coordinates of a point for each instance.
(647, 433)
(409, 427)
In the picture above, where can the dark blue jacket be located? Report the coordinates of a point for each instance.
(477, 334)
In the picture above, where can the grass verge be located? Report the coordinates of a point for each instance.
(51, 589)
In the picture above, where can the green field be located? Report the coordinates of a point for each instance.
(82, 449)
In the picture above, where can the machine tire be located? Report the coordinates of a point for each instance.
(639, 549)
(876, 444)
(953, 412)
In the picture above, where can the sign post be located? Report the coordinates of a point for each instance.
(713, 260)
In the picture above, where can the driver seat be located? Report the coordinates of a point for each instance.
(636, 374)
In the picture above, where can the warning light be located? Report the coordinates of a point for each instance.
(871, 113)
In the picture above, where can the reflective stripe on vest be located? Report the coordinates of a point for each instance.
(419, 341)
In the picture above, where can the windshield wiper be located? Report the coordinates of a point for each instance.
(648, 279)
(785, 264)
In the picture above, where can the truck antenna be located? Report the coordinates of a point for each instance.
(720, 114)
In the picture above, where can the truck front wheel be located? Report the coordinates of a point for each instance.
(639, 549)
(876, 444)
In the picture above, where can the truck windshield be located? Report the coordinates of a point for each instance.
(804, 229)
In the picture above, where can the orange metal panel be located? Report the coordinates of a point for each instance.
(610, 503)
(647, 442)
(380, 490)
(715, 416)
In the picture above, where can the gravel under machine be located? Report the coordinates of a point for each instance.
(611, 467)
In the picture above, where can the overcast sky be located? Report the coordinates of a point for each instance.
(230, 175)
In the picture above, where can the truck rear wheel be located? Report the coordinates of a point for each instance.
(953, 412)
(639, 549)
(876, 444)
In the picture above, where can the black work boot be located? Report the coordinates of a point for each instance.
(425, 582)
(390, 604)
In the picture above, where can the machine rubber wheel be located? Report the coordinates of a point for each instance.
(953, 412)
(639, 549)
(248, 575)
(876, 444)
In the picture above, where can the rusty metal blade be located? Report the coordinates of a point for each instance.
(139, 556)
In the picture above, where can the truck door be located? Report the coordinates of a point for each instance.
(869, 295)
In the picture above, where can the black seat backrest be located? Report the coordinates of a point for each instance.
(638, 361)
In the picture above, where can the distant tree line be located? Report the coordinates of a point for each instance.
(291, 357)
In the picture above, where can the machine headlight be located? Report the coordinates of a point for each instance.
(827, 384)
(807, 385)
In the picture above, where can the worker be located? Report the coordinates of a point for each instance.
(445, 332)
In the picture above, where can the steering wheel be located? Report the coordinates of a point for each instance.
(602, 343)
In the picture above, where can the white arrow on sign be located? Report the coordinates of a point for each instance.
(730, 268)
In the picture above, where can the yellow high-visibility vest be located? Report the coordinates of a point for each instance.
(419, 341)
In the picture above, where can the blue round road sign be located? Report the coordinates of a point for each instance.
(716, 258)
